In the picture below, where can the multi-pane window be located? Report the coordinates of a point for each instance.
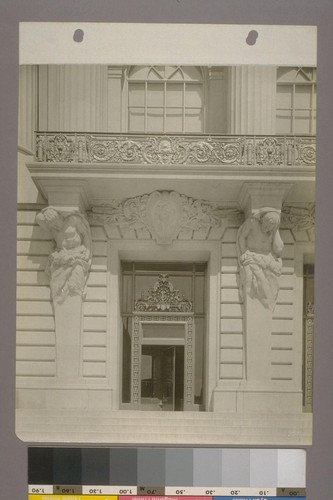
(137, 279)
(308, 308)
(296, 101)
(165, 99)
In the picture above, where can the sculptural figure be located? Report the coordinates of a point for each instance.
(259, 249)
(69, 263)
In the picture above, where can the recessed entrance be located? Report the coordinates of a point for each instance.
(163, 336)
(162, 377)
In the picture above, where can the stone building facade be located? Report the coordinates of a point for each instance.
(165, 254)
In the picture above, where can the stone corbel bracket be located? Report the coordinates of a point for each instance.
(164, 214)
(69, 263)
(259, 250)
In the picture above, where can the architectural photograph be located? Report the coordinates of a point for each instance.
(165, 254)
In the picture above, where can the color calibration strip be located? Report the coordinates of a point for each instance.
(165, 474)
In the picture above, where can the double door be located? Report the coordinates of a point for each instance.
(162, 377)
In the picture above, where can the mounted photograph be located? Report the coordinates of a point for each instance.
(165, 242)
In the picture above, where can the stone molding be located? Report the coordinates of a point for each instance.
(259, 249)
(164, 214)
(70, 262)
(188, 355)
(143, 149)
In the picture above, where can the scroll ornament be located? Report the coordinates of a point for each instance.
(164, 214)
(163, 297)
(299, 218)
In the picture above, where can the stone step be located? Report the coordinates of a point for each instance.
(162, 428)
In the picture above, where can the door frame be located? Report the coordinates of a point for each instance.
(185, 319)
(179, 251)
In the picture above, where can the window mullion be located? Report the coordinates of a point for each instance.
(184, 109)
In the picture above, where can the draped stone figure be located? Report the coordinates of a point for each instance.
(69, 263)
(259, 249)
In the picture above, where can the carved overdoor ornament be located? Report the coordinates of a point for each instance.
(163, 305)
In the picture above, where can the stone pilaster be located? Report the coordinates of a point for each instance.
(73, 98)
(115, 107)
(259, 249)
(252, 92)
(27, 107)
(216, 119)
(68, 267)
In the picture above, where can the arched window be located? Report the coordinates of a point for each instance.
(165, 99)
(296, 101)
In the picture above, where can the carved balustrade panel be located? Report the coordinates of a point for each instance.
(136, 149)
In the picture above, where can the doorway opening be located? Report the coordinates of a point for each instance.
(163, 345)
(162, 377)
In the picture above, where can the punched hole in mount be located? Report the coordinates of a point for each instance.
(252, 37)
(78, 35)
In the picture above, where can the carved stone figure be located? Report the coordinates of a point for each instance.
(69, 263)
(259, 249)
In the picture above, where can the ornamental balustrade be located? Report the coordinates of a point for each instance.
(191, 150)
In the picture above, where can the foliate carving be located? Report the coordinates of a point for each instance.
(69, 263)
(310, 310)
(136, 362)
(308, 382)
(259, 248)
(299, 218)
(270, 152)
(163, 297)
(164, 150)
(143, 149)
(305, 151)
(164, 214)
(57, 148)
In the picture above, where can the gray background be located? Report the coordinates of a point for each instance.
(13, 453)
